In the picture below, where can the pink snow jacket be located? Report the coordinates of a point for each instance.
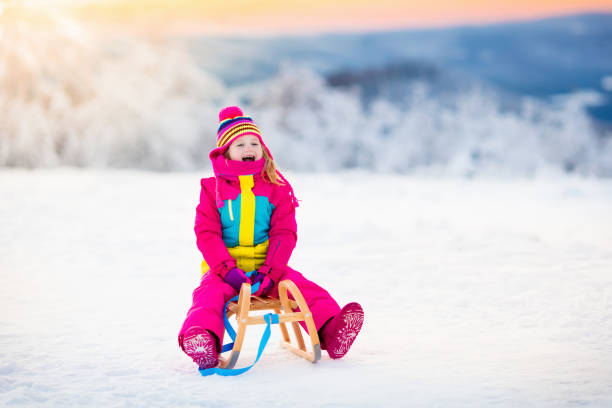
(218, 218)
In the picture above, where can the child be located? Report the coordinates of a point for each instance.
(246, 222)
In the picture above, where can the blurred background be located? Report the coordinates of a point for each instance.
(442, 88)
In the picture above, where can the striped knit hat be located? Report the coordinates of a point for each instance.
(232, 125)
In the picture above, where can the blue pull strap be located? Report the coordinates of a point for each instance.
(270, 318)
(228, 326)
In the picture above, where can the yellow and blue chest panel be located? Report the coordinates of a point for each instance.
(245, 223)
(246, 220)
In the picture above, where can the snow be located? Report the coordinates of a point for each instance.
(482, 292)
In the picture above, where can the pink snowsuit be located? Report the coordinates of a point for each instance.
(245, 221)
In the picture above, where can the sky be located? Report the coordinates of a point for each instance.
(304, 16)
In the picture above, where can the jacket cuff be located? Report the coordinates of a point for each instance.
(224, 267)
(273, 273)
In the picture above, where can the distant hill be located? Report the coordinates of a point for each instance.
(538, 58)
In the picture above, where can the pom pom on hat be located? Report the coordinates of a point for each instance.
(229, 113)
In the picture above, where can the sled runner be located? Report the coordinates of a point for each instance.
(284, 312)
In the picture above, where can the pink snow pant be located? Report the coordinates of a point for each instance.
(209, 299)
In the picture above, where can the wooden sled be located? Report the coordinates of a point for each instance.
(284, 307)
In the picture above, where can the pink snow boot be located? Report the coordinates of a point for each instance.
(339, 333)
(201, 346)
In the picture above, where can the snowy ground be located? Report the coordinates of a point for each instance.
(476, 293)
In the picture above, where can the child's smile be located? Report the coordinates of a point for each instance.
(246, 148)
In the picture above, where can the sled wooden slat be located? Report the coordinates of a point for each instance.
(284, 318)
(308, 356)
(283, 326)
(284, 307)
(259, 303)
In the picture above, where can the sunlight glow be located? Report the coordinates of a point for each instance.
(311, 16)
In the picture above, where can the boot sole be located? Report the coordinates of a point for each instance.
(347, 330)
(202, 350)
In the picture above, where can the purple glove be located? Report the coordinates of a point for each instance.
(266, 284)
(235, 277)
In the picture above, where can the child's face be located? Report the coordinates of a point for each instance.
(245, 148)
